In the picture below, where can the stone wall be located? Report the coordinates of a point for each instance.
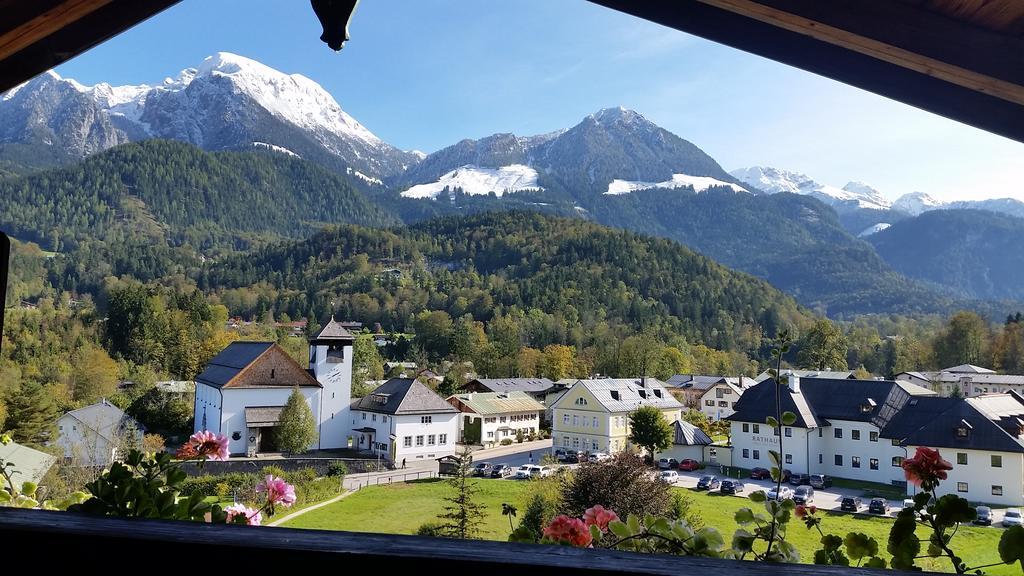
(355, 466)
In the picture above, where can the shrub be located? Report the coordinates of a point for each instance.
(519, 436)
(337, 469)
(430, 529)
(506, 442)
(623, 484)
(223, 489)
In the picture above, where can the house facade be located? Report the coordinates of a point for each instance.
(95, 435)
(965, 380)
(244, 388)
(593, 415)
(487, 418)
(864, 429)
(688, 441)
(403, 420)
(719, 400)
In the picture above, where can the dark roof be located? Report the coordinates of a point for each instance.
(238, 356)
(403, 396)
(527, 385)
(695, 381)
(758, 403)
(847, 399)
(334, 330)
(687, 434)
(993, 422)
(263, 415)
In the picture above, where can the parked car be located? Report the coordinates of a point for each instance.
(984, 517)
(669, 476)
(786, 474)
(908, 503)
(541, 471)
(878, 506)
(559, 454)
(821, 481)
(803, 495)
(760, 474)
(501, 471)
(689, 465)
(732, 487)
(851, 504)
(708, 483)
(780, 493)
(523, 471)
(482, 469)
(800, 479)
(599, 457)
(572, 458)
(668, 463)
(1012, 517)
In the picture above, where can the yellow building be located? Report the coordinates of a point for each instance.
(593, 415)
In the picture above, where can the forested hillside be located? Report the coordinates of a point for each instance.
(581, 274)
(174, 192)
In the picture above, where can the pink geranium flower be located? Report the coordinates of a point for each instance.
(205, 444)
(571, 531)
(926, 468)
(252, 517)
(278, 491)
(599, 516)
(802, 510)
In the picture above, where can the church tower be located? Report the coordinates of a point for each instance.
(330, 361)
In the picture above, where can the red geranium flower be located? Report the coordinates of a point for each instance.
(926, 468)
(571, 531)
(599, 516)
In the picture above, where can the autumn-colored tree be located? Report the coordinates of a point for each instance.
(823, 347)
(95, 376)
(529, 362)
(559, 361)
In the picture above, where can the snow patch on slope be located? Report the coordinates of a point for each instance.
(773, 180)
(475, 180)
(275, 148)
(364, 177)
(874, 229)
(915, 203)
(699, 184)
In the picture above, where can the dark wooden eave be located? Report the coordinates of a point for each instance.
(963, 59)
(36, 35)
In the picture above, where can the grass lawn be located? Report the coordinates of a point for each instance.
(402, 508)
(977, 545)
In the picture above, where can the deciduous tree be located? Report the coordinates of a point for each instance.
(297, 429)
(649, 429)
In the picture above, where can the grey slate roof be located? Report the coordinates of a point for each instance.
(30, 465)
(235, 358)
(105, 419)
(403, 396)
(986, 417)
(263, 415)
(528, 385)
(758, 403)
(334, 330)
(631, 394)
(687, 434)
(498, 402)
(968, 369)
(829, 374)
(695, 381)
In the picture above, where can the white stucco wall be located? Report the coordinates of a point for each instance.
(336, 378)
(207, 408)
(716, 411)
(980, 476)
(489, 433)
(237, 399)
(82, 444)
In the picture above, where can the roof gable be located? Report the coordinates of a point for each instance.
(103, 418)
(628, 394)
(255, 365)
(758, 403)
(334, 330)
(497, 402)
(687, 434)
(403, 396)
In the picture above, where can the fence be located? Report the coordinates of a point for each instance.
(356, 484)
(321, 465)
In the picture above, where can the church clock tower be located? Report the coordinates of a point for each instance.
(330, 361)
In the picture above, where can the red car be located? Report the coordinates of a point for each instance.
(761, 474)
(689, 465)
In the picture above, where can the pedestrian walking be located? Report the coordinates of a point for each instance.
(531, 457)
(403, 463)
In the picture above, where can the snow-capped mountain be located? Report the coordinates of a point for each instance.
(612, 151)
(855, 195)
(874, 229)
(474, 180)
(915, 203)
(227, 102)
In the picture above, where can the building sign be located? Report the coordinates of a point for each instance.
(768, 440)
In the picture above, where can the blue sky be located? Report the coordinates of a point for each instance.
(423, 75)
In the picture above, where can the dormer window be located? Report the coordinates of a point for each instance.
(380, 398)
(657, 392)
(963, 429)
(642, 393)
(615, 394)
(868, 406)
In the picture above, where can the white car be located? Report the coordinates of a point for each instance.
(670, 476)
(1012, 517)
(523, 472)
(782, 494)
(541, 471)
(599, 457)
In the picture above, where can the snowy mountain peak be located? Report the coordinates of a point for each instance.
(915, 203)
(773, 180)
(617, 114)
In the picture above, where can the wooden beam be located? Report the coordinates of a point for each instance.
(45, 24)
(62, 30)
(900, 33)
(910, 86)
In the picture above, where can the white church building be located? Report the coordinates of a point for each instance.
(244, 388)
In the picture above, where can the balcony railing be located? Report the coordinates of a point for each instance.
(61, 540)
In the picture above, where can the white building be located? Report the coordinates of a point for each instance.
(403, 420)
(593, 415)
(965, 380)
(688, 441)
(864, 429)
(94, 435)
(241, 392)
(719, 399)
(489, 417)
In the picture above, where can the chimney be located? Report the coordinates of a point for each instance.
(794, 382)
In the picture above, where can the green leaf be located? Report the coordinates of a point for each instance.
(875, 562)
(952, 509)
(634, 524)
(771, 421)
(29, 488)
(712, 538)
(595, 532)
(758, 496)
(860, 545)
(1011, 545)
(619, 529)
(742, 541)
(744, 516)
(788, 418)
(831, 542)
